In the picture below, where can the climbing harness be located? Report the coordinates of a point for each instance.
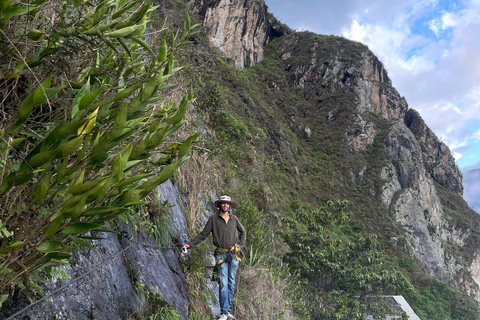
(228, 258)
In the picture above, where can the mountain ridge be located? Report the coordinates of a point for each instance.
(418, 160)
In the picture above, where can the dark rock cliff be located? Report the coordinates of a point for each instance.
(112, 280)
(110, 289)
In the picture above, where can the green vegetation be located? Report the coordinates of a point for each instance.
(438, 300)
(342, 271)
(284, 172)
(460, 215)
(153, 307)
(82, 120)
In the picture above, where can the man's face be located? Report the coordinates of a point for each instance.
(224, 206)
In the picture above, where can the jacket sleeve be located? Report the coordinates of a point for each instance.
(205, 232)
(242, 233)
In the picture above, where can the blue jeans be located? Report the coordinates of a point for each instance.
(226, 281)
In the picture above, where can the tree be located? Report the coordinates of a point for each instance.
(342, 273)
(83, 124)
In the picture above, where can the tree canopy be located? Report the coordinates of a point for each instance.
(344, 272)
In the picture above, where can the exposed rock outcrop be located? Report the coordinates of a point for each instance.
(418, 208)
(438, 159)
(429, 230)
(375, 90)
(391, 184)
(335, 63)
(239, 30)
(110, 292)
(361, 134)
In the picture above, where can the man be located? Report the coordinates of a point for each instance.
(229, 236)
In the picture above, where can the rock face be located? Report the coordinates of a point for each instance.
(335, 63)
(375, 90)
(333, 66)
(418, 208)
(361, 134)
(439, 161)
(239, 30)
(430, 230)
(108, 281)
(111, 290)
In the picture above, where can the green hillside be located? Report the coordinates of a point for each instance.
(265, 160)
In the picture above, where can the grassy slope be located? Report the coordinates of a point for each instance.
(275, 175)
(266, 163)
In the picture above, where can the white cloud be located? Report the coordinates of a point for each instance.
(450, 20)
(457, 155)
(447, 21)
(380, 39)
(435, 25)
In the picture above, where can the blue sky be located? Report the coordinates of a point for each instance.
(431, 49)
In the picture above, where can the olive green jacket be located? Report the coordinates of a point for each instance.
(225, 235)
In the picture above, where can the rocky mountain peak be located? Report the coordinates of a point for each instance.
(239, 30)
(335, 63)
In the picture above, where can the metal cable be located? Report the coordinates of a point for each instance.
(66, 285)
(184, 236)
(184, 250)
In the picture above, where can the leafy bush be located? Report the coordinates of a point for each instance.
(440, 301)
(342, 273)
(82, 122)
(232, 126)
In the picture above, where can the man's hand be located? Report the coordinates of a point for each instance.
(186, 246)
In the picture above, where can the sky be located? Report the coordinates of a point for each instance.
(430, 48)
